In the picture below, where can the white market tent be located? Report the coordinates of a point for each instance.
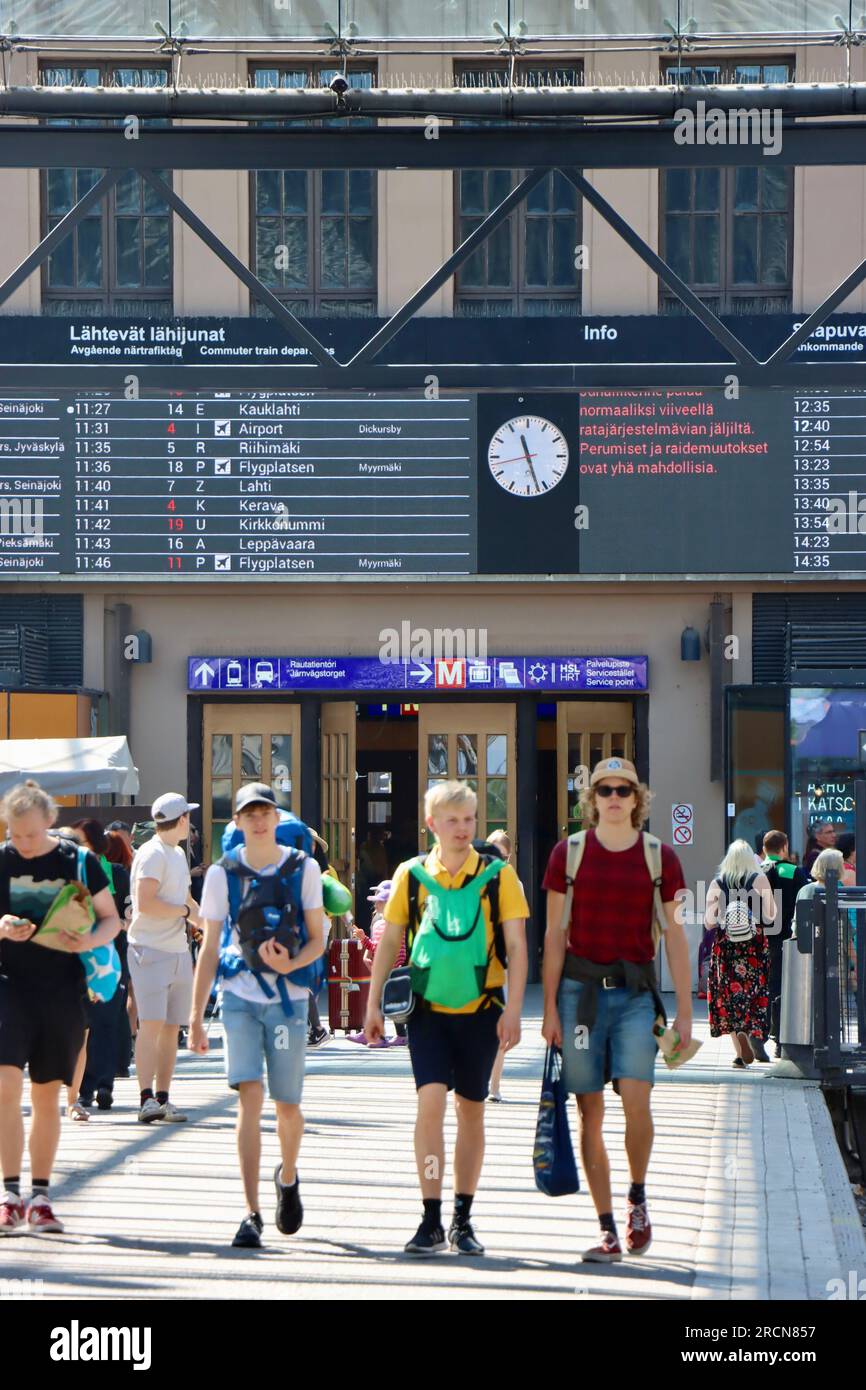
(70, 766)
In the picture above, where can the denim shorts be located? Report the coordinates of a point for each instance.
(622, 1034)
(257, 1033)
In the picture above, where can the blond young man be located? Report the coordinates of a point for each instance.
(599, 985)
(454, 1049)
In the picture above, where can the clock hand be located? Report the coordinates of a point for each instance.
(519, 459)
(529, 458)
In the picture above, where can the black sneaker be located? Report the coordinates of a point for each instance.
(104, 1100)
(427, 1240)
(463, 1241)
(249, 1233)
(290, 1212)
(318, 1037)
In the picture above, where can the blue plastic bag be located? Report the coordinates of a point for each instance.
(553, 1156)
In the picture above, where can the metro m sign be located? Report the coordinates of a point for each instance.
(451, 673)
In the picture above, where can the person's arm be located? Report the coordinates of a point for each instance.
(205, 970)
(508, 1027)
(104, 929)
(150, 904)
(555, 946)
(277, 958)
(677, 948)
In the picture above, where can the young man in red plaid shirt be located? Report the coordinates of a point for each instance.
(599, 985)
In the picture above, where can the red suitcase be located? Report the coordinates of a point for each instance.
(348, 986)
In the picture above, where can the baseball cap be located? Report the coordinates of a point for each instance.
(614, 767)
(254, 793)
(171, 806)
(381, 893)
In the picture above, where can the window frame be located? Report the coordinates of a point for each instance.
(519, 292)
(724, 297)
(111, 293)
(314, 293)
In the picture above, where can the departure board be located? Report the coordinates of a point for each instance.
(250, 485)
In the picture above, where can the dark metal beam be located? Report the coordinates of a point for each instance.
(662, 102)
(292, 325)
(65, 227)
(817, 316)
(621, 146)
(481, 234)
(451, 376)
(711, 321)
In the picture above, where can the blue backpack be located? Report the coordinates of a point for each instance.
(271, 906)
(291, 832)
(101, 963)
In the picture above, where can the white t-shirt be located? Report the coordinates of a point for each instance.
(215, 907)
(168, 865)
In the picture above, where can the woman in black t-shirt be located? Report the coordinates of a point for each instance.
(42, 993)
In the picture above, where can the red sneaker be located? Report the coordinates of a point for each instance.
(638, 1231)
(608, 1252)
(40, 1217)
(11, 1214)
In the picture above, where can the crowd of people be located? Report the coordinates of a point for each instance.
(261, 929)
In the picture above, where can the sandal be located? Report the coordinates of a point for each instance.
(77, 1112)
(738, 1062)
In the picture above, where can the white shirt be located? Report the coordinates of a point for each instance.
(215, 908)
(168, 865)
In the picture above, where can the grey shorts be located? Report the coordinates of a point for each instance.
(162, 981)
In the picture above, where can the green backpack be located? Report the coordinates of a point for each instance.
(450, 957)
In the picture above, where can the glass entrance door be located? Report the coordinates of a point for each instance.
(248, 743)
(475, 744)
(586, 732)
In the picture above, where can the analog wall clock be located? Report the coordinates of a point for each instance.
(528, 456)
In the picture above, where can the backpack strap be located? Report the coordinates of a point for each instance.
(574, 855)
(412, 925)
(652, 849)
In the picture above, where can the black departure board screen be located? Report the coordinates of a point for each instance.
(242, 484)
(248, 484)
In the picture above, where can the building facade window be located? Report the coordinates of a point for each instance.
(313, 232)
(530, 265)
(729, 232)
(118, 260)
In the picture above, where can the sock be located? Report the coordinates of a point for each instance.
(40, 1188)
(607, 1223)
(287, 1184)
(637, 1193)
(147, 1094)
(162, 1097)
(12, 1185)
(462, 1207)
(433, 1212)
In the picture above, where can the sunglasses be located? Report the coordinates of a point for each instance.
(606, 790)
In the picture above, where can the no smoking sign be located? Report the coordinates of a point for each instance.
(683, 823)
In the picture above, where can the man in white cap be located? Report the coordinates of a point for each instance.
(160, 963)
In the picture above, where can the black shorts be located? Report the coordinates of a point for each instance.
(42, 1031)
(454, 1050)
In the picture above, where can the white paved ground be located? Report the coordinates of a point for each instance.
(749, 1196)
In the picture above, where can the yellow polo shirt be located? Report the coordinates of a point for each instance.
(512, 903)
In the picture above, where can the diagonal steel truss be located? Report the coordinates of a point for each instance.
(365, 370)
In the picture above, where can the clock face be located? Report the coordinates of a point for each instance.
(528, 456)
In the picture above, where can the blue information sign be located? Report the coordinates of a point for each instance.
(602, 674)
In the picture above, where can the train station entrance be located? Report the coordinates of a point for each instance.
(375, 758)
